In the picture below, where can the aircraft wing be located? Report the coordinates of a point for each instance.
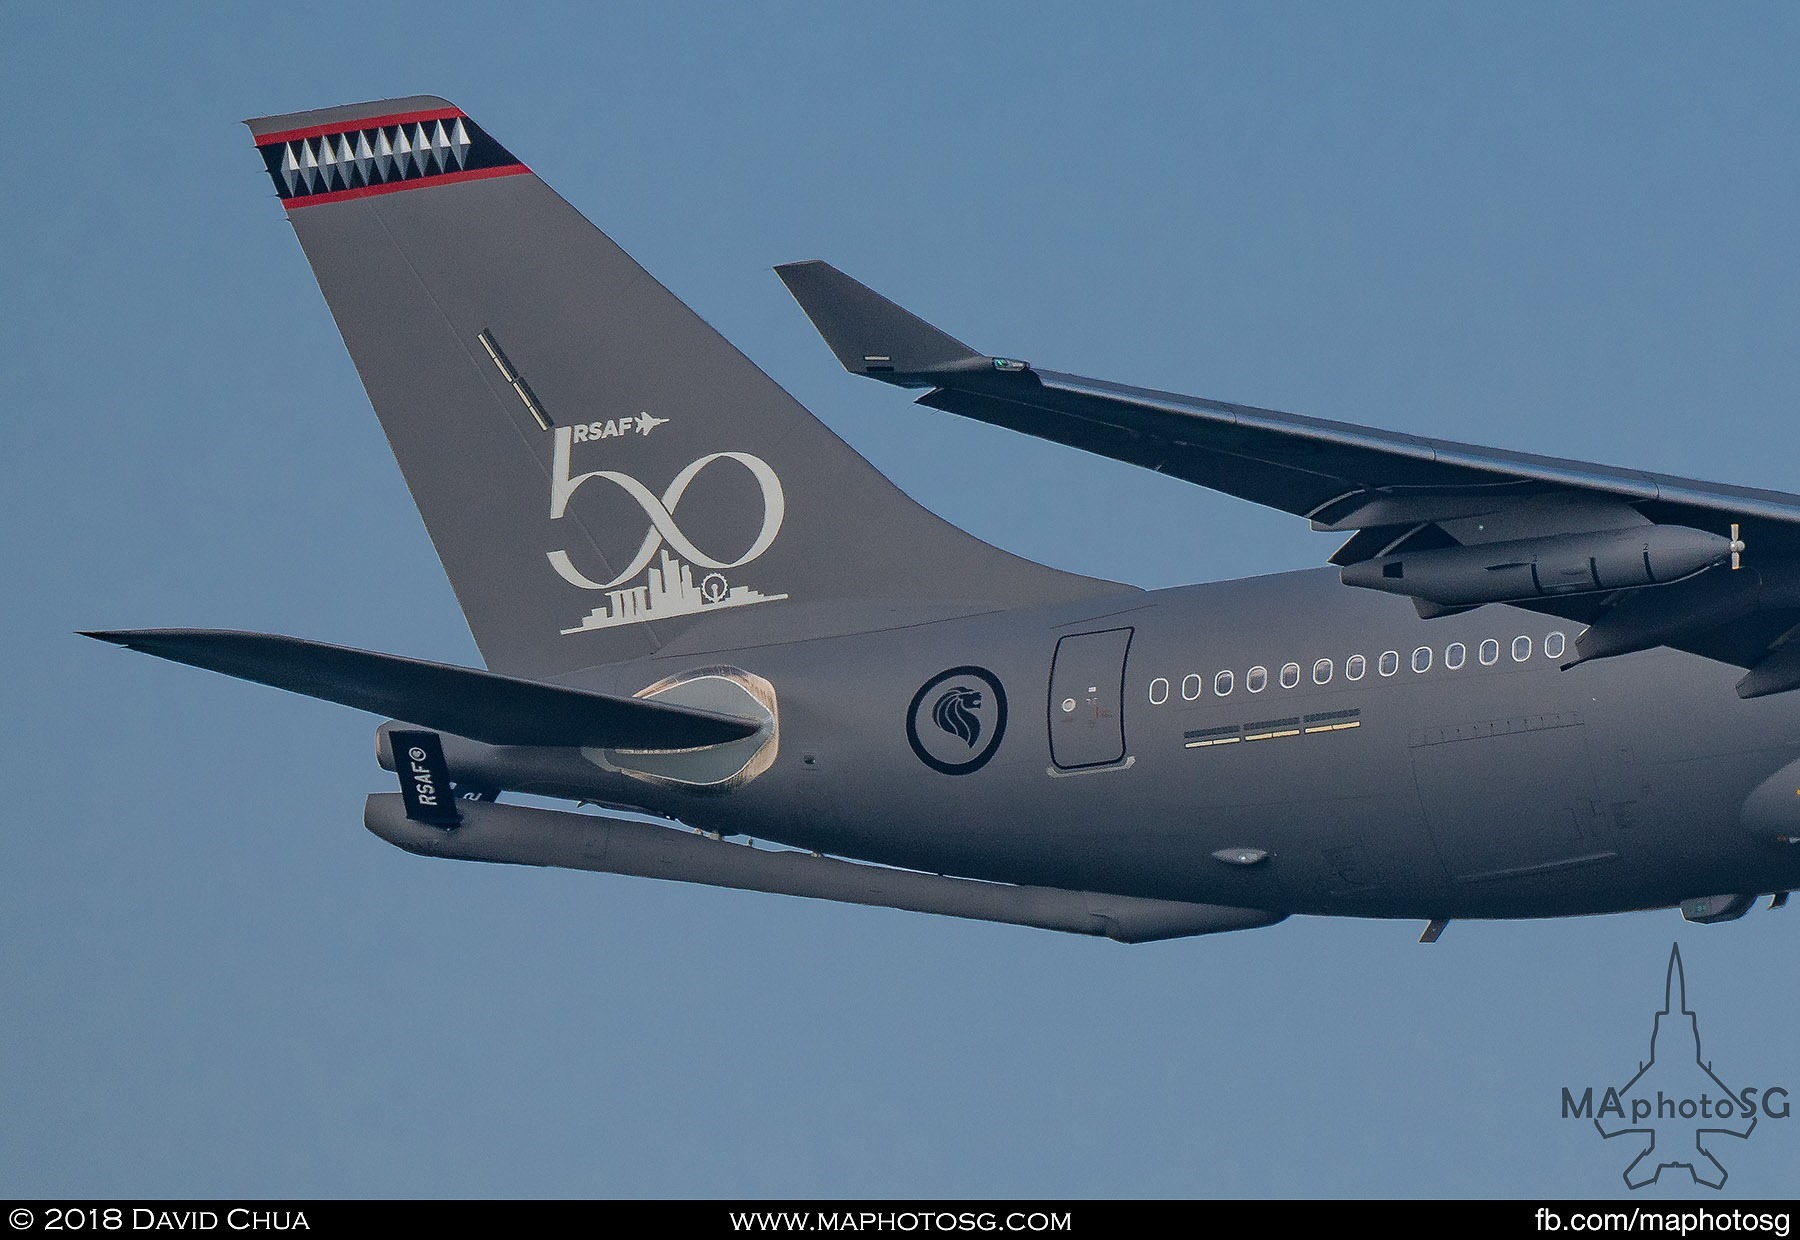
(483, 706)
(1407, 503)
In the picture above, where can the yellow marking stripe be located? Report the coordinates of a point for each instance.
(1270, 736)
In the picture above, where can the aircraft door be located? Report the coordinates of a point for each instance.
(1087, 699)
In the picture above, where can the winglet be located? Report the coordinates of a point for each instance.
(872, 336)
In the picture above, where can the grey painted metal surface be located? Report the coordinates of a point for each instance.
(651, 421)
(643, 529)
(615, 846)
(479, 705)
(1087, 699)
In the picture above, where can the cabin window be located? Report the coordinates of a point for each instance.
(1390, 662)
(1455, 655)
(1521, 649)
(1554, 646)
(1222, 683)
(1322, 672)
(1489, 653)
(1190, 686)
(1290, 675)
(1256, 679)
(1355, 667)
(1421, 660)
(1159, 691)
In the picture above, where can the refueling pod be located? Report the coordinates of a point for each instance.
(1644, 555)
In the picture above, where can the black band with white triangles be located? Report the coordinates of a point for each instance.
(389, 153)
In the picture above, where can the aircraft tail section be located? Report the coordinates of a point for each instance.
(600, 472)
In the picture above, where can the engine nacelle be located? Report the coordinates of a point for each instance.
(1644, 555)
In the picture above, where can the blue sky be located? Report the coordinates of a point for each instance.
(1565, 229)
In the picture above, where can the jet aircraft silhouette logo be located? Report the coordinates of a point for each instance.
(1676, 1109)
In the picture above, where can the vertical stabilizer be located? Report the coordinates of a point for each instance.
(599, 470)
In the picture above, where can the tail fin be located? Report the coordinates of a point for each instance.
(600, 471)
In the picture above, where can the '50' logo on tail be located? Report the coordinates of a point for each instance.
(669, 588)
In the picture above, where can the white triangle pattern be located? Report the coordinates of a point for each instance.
(359, 157)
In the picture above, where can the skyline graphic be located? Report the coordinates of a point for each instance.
(670, 591)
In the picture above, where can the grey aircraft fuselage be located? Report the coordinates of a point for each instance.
(1527, 687)
(1509, 788)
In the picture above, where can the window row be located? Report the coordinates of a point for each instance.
(1453, 656)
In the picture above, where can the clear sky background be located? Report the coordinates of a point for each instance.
(1568, 229)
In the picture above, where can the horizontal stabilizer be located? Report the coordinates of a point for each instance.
(483, 706)
(521, 835)
(871, 335)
